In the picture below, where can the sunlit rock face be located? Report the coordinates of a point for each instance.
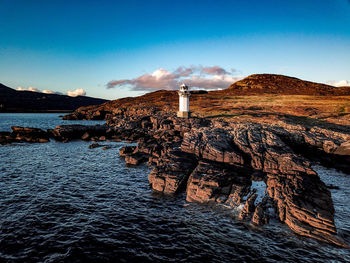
(220, 162)
(252, 168)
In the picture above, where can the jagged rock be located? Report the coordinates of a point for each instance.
(25, 134)
(126, 150)
(212, 144)
(211, 182)
(76, 131)
(343, 149)
(5, 138)
(171, 172)
(95, 145)
(136, 158)
(249, 207)
(86, 136)
(261, 213)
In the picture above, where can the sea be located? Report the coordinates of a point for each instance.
(64, 202)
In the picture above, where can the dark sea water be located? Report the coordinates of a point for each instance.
(63, 202)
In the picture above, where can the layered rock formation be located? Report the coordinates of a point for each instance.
(215, 161)
(23, 134)
(253, 168)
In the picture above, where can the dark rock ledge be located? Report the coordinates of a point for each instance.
(251, 167)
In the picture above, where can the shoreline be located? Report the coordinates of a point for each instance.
(212, 169)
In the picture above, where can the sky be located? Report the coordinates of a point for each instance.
(114, 49)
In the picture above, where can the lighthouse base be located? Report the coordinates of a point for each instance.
(184, 114)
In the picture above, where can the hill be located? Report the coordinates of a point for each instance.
(259, 98)
(27, 101)
(254, 85)
(279, 84)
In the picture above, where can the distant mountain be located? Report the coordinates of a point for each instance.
(284, 85)
(27, 101)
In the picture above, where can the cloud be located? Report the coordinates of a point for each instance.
(19, 88)
(215, 70)
(33, 89)
(47, 91)
(77, 92)
(210, 78)
(339, 83)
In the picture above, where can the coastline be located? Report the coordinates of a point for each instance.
(181, 164)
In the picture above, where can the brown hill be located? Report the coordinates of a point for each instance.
(253, 85)
(260, 98)
(279, 84)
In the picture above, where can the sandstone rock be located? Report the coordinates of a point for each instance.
(249, 207)
(76, 131)
(343, 149)
(136, 159)
(86, 136)
(212, 144)
(171, 172)
(217, 160)
(32, 135)
(211, 182)
(261, 213)
(126, 150)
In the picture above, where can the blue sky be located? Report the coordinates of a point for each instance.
(69, 45)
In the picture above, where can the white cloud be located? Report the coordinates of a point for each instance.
(47, 91)
(19, 88)
(339, 83)
(33, 89)
(77, 92)
(210, 78)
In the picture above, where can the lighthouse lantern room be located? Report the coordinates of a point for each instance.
(184, 102)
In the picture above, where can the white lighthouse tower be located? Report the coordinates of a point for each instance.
(184, 102)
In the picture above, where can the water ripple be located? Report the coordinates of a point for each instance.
(65, 202)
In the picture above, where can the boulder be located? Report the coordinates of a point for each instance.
(126, 150)
(25, 134)
(136, 158)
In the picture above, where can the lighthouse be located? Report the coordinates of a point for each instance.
(184, 102)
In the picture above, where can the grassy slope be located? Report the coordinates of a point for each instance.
(265, 98)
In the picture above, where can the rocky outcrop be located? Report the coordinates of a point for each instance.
(24, 134)
(87, 115)
(212, 182)
(301, 199)
(251, 167)
(76, 131)
(328, 146)
(212, 144)
(171, 171)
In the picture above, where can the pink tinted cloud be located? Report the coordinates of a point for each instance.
(210, 78)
